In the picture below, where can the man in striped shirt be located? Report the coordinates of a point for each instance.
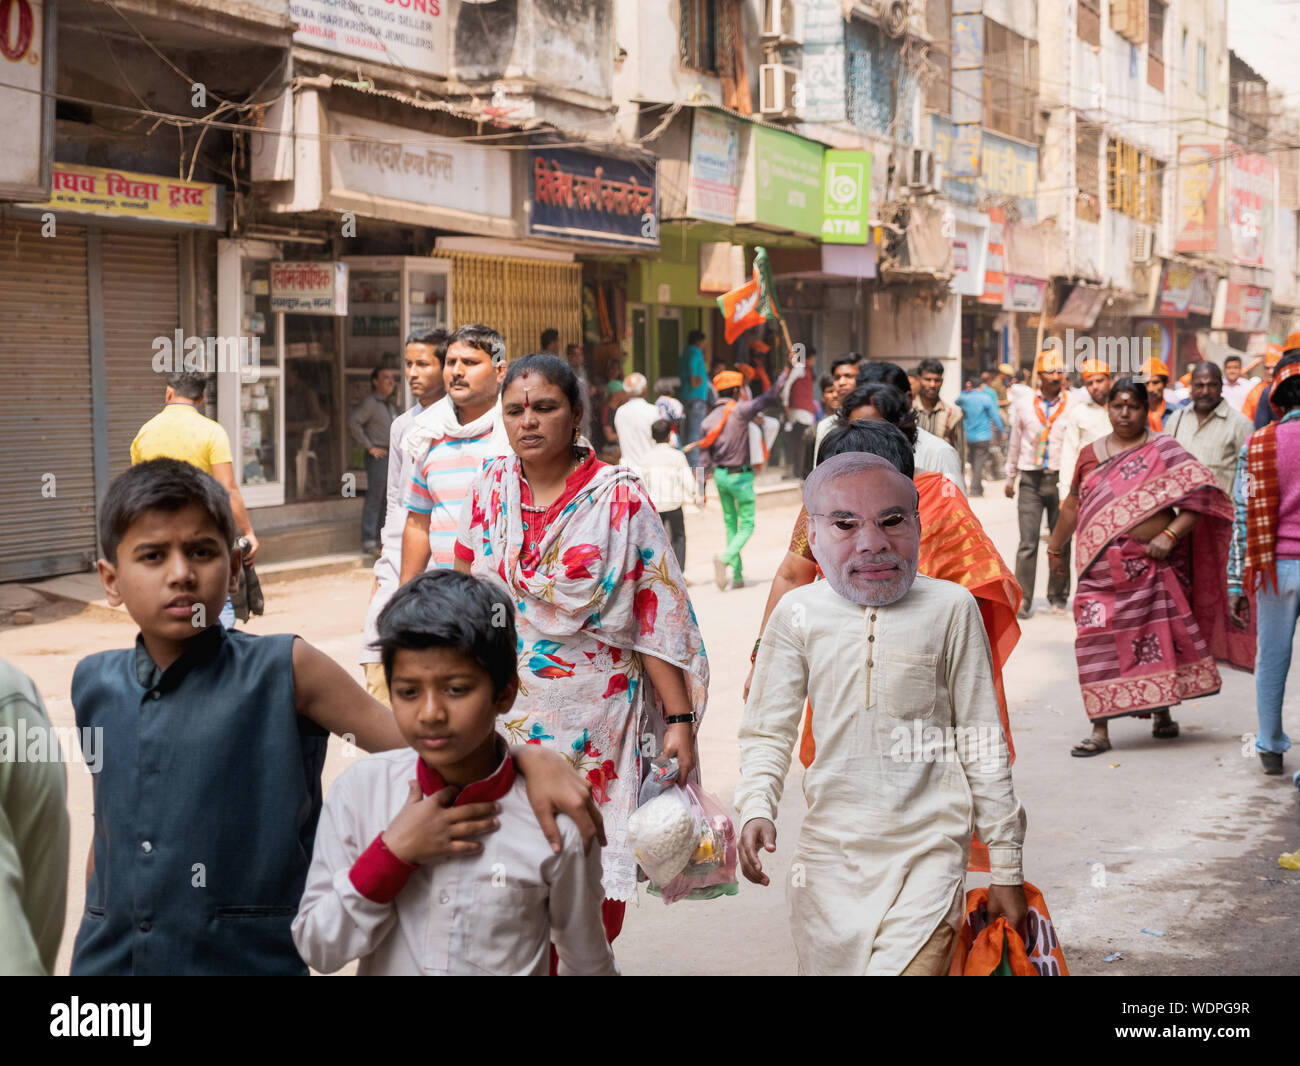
(450, 443)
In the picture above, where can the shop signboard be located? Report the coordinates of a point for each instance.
(409, 35)
(1081, 308)
(376, 159)
(995, 282)
(585, 196)
(1197, 224)
(26, 98)
(126, 194)
(1243, 308)
(715, 168)
(309, 288)
(1250, 205)
(1184, 290)
(1006, 168)
(783, 182)
(846, 187)
(1023, 294)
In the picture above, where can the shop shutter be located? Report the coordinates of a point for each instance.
(140, 274)
(47, 496)
(517, 297)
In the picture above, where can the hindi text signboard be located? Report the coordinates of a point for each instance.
(125, 194)
(309, 288)
(584, 196)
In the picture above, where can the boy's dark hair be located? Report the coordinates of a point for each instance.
(549, 335)
(1287, 395)
(876, 437)
(825, 382)
(845, 360)
(661, 430)
(887, 373)
(190, 384)
(161, 485)
(889, 403)
(484, 338)
(695, 336)
(929, 366)
(435, 338)
(446, 609)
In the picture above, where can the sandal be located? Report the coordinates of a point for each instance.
(1089, 747)
(1165, 730)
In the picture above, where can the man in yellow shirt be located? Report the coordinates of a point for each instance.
(181, 431)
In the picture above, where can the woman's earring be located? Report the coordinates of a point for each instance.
(575, 434)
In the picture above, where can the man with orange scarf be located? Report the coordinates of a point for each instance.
(954, 547)
(1264, 556)
(1034, 458)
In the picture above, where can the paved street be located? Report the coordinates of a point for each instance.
(1178, 837)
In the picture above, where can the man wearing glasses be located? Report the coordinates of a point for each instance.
(910, 749)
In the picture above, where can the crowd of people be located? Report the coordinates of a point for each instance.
(530, 643)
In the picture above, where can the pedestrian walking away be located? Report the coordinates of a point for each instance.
(1265, 555)
(607, 634)
(632, 423)
(1033, 465)
(725, 446)
(883, 849)
(1151, 608)
(981, 417)
(694, 372)
(671, 481)
(370, 423)
(423, 358)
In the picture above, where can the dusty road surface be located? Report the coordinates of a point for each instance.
(1163, 852)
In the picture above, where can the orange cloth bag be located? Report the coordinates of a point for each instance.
(980, 945)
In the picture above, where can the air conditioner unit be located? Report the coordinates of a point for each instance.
(782, 22)
(924, 170)
(777, 89)
(1144, 244)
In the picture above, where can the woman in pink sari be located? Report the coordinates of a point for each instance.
(611, 661)
(1151, 525)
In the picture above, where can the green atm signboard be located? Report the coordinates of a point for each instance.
(787, 181)
(846, 183)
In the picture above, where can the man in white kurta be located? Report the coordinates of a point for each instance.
(910, 754)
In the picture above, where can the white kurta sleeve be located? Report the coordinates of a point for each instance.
(335, 923)
(574, 905)
(981, 745)
(1070, 448)
(770, 724)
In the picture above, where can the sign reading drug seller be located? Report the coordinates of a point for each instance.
(410, 35)
(587, 197)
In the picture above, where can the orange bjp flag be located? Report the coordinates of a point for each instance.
(741, 310)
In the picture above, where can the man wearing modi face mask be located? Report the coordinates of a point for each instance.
(902, 667)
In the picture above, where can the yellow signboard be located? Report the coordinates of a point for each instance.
(125, 194)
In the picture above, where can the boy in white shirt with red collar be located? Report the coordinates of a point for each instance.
(434, 863)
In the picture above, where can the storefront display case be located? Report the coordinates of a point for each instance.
(389, 298)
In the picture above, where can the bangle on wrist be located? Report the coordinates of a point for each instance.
(1054, 551)
(1168, 533)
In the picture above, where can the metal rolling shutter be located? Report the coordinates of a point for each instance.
(140, 274)
(45, 405)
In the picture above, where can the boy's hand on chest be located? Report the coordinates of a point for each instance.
(429, 827)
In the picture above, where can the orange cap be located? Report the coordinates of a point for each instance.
(1273, 354)
(1092, 368)
(727, 379)
(1049, 361)
(747, 372)
(1292, 341)
(1186, 379)
(1154, 368)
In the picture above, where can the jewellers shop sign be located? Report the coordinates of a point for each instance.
(583, 196)
(308, 288)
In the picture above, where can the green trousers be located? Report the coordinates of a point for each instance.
(736, 494)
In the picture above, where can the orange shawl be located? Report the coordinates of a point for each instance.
(954, 547)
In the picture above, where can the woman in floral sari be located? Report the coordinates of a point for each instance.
(1152, 522)
(609, 649)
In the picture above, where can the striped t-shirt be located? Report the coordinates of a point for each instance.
(439, 485)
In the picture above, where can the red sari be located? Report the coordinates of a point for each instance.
(1149, 630)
